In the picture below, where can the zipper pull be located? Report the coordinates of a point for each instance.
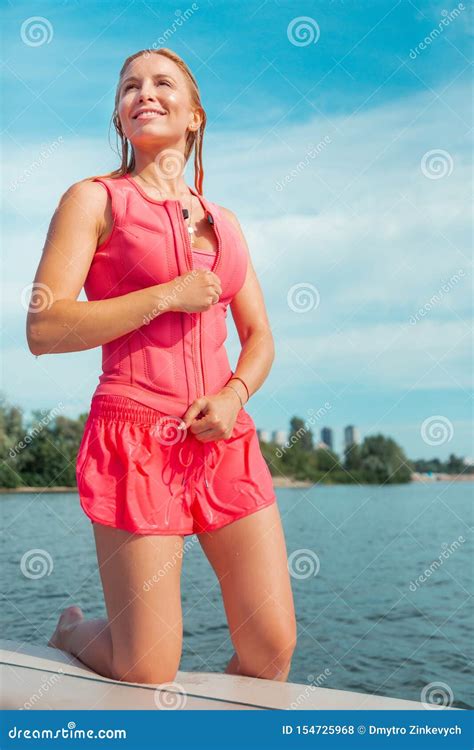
(210, 219)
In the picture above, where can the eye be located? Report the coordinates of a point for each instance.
(134, 85)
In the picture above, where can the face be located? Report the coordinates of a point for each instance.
(155, 83)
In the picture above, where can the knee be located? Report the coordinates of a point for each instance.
(270, 655)
(145, 670)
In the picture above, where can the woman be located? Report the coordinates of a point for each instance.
(168, 449)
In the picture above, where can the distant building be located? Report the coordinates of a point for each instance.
(264, 436)
(351, 435)
(279, 437)
(321, 446)
(327, 437)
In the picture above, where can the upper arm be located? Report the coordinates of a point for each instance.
(70, 243)
(248, 306)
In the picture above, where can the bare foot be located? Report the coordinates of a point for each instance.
(68, 620)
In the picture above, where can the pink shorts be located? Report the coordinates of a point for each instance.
(136, 471)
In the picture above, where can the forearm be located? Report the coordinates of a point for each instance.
(70, 326)
(254, 363)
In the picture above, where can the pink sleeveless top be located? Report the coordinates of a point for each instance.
(203, 259)
(175, 357)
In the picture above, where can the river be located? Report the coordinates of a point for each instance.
(382, 581)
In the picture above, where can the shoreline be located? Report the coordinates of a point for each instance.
(278, 482)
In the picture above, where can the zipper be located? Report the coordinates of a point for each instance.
(218, 257)
(189, 257)
(198, 316)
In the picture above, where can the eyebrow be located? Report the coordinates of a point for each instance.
(156, 75)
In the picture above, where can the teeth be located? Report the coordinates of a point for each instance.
(148, 113)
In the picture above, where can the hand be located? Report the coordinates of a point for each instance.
(218, 415)
(194, 291)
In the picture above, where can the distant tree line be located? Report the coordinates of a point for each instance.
(454, 465)
(38, 453)
(378, 460)
(42, 451)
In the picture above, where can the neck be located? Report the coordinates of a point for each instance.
(163, 171)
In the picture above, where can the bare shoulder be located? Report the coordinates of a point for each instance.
(230, 215)
(85, 204)
(86, 195)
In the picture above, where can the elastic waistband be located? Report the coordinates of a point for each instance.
(125, 409)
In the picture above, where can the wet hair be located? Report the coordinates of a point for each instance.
(194, 138)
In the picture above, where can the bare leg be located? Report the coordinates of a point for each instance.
(77, 636)
(233, 667)
(250, 560)
(141, 639)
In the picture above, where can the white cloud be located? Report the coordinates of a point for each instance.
(382, 356)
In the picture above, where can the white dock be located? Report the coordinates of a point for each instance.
(39, 677)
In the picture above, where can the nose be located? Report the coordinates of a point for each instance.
(147, 90)
(145, 94)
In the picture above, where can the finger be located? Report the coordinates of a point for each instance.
(207, 424)
(207, 436)
(202, 425)
(215, 278)
(191, 413)
(214, 283)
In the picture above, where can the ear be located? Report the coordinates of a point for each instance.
(196, 120)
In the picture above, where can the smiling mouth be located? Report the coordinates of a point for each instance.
(149, 115)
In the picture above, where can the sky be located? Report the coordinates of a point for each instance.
(338, 135)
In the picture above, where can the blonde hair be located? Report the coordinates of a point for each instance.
(194, 138)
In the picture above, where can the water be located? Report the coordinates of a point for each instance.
(358, 617)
